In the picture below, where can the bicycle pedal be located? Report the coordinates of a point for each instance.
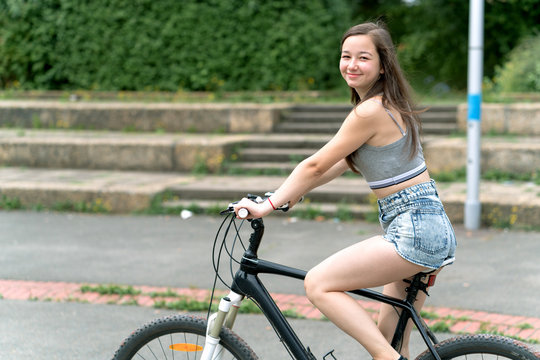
(331, 353)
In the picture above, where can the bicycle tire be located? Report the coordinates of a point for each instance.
(483, 347)
(155, 340)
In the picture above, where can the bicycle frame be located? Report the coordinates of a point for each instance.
(247, 283)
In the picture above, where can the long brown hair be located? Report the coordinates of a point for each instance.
(392, 84)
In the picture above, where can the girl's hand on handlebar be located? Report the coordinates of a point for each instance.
(255, 210)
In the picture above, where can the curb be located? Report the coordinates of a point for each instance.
(456, 321)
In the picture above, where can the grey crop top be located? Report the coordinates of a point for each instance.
(388, 165)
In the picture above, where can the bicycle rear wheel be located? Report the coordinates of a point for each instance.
(481, 347)
(179, 337)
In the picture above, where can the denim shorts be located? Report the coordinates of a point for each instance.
(414, 221)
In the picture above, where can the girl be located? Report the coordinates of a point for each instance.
(380, 140)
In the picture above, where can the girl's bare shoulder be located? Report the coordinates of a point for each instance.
(368, 110)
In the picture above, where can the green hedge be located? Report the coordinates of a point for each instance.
(171, 45)
(521, 73)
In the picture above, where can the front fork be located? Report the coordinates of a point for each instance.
(224, 317)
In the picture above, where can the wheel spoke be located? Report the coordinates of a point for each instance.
(162, 349)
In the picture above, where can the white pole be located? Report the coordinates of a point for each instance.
(475, 74)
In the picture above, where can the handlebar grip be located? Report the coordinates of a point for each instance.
(243, 213)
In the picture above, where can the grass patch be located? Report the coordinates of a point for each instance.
(158, 206)
(344, 212)
(97, 206)
(373, 215)
(168, 293)
(429, 315)
(309, 212)
(10, 203)
(440, 326)
(501, 176)
(111, 289)
(525, 326)
(460, 175)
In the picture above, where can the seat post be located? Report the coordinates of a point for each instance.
(416, 284)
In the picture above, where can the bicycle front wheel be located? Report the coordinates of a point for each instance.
(481, 347)
(179, 337)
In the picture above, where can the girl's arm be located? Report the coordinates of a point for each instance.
(335, 171)
(325, 164)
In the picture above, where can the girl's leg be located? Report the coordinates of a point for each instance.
(370, 263)
(388, 316)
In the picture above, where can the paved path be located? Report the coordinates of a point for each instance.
(47, 257)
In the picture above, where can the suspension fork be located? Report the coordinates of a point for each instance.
(224, 317)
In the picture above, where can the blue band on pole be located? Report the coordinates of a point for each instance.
(475, 104)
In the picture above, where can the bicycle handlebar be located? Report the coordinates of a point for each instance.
(243, 212)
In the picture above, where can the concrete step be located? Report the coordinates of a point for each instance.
(260, 168)
(307, 128)
(298, 141)
(322, 108)
(140, 116)
(185, 152)
(111, 150)
(312, 211)
(337, 117)
(275, 154)
(313, 117)
(439, 117)
(442, 153)
(345, 108)
(346, 190)
(321, 119)
(443, 128)
(503, 205)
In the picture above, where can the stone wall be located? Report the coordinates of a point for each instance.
(167, 117)
(447, 155)
(516, 118)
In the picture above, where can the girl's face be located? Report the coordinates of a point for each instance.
(360, 64)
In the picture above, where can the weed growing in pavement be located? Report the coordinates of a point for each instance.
(158, 206)
(440, 326)
(344, 212)
(497, 175)
(373, 215)
(429, 315)
(502, 176)
(292, 314)
(459, 175)
(184, 304)
(501, 219)
(169, 293)
(10, 203)
(111, 289)
(131, 302)
(309, 212)
(97, 206)
(76, 300)
(249, 307)
(487, 328)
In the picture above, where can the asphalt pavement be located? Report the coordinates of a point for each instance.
(496, 271)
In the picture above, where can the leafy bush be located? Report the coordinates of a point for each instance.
(171, 45)
(521, 73)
